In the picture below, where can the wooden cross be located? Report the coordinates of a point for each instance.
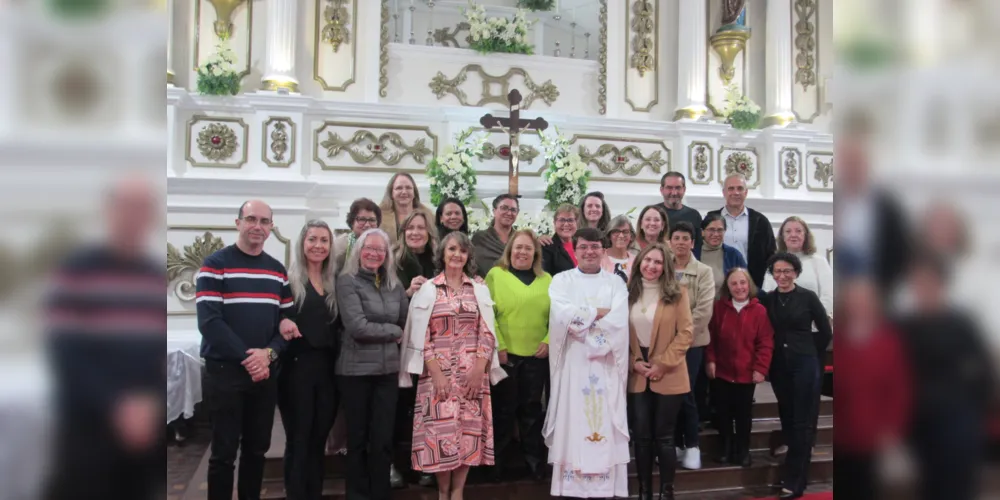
(513, 126)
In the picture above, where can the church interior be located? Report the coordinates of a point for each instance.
(310, 104)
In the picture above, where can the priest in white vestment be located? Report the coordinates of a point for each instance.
(586, 428)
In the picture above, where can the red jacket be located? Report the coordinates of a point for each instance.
(742, 342)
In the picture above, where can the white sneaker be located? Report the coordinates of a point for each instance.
(781, 450)
(692, 459)
(680, 453)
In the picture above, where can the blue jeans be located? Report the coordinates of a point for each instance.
(686, 435)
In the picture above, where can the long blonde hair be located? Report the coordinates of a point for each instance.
(401, 250)
(298, 272)
(388, 205)
(670, 288)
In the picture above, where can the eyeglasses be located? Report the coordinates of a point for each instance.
(371, 221)
(403, 188)
(505, 208)
(776, 272)
(614, 233)
(715, 230)
(589, 248)
(250, 219)
(563, 220)
(374, 250)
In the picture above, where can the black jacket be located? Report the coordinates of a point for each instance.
(555, 259)
(760, 244)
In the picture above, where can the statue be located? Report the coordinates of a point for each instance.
(733, 13)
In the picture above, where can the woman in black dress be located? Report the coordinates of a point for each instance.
(307, 389)
(795, 365)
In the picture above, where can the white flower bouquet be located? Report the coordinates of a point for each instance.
(218, 75)
(566, 175)
(497, 34)
(739, 110)
(453, 175)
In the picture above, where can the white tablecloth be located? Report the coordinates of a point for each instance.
(183, 374)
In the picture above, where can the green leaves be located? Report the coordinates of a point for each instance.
(226, 83)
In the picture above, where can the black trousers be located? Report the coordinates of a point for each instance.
(307, 398)
(733, 407)
(688, 423)
(518, 400)
(795, 379)
(242, 414)
(654, 418)
(90, 462)
(370, 407)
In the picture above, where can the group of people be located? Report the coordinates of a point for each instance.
(586, 341)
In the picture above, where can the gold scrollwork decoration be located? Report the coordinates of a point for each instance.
(619, 159)
(824, 172)
(280, 142)
(448, 37)
(790, 162)
(602, 59)
(337, 29)
(699, 162)
(525, 152)
(805, 42)
(383, 52)
(186, 265)
(643, 26)
(441, 85)
(217, 142)
(365, 147)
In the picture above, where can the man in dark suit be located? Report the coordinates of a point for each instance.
(747, 230)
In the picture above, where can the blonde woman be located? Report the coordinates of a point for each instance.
(400, 200)
(653, 226)
(660, 332)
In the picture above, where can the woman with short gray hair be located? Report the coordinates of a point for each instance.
(373, 307)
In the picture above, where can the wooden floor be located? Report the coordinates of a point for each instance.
(713, 481)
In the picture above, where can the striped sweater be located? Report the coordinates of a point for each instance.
(241, 299)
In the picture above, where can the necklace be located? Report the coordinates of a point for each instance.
(782, 302)
(645, 305)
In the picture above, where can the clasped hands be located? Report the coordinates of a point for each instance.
(258, 364)
(652, 371)
(758, 377)
(472, 383)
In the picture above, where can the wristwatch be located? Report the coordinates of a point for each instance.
(271, 355)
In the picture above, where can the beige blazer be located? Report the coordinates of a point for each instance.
(390, 227)
(668, 345)
(700, 281)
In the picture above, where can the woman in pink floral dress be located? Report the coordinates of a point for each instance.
(452, 420)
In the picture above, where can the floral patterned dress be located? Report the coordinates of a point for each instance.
(457, 431)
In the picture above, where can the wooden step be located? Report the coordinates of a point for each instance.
(765, 472)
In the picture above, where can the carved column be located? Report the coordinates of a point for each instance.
(778, 64)
(170, 43)
(692, 74)
(279, 51)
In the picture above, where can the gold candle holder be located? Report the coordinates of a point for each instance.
(224, 16)
(728, 44)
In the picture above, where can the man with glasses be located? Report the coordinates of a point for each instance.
(672, 188)
(490, 242)
(747, 230)
(363, 215)
(242, 293)
(559, 255)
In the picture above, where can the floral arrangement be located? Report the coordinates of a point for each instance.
(540, 224)
(497, 34)
(740, 111)
(536, 5)
(453, 175)
(566, 175)
(218, 75)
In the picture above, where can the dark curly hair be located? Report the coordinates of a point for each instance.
(787, 258)
(363, 204)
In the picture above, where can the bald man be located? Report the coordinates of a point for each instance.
(105, 328)
(242, 296)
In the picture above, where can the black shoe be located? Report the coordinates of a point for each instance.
(786, 495)
(427, 480)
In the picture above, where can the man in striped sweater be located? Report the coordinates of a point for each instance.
(242, 294)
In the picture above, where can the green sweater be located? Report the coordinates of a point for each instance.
(522, 311)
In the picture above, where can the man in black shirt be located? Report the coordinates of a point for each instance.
(672, 188)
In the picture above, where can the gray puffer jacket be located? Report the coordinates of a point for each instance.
(373, 321)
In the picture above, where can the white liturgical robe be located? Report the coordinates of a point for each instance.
(586, 428)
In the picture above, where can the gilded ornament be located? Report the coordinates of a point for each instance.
(224, 16)
(279, 141)
(336, 31)
(365, 147)
(728, 44)
(643, 26)
(700, 161)
(790, 164)
(449, 37)
(740, 163)
(383, 53)
(441, 85)
(618, 159)
(525, 152)
(602, 59)
(805, 42)
(217, 142)
(188, 264)
(824, 171)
